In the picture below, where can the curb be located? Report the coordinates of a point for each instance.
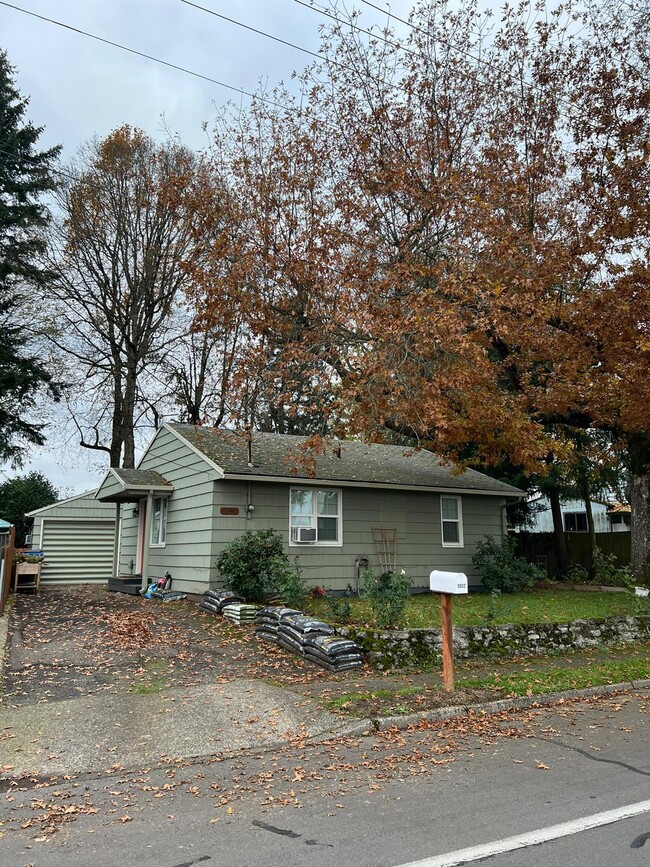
(368, 727)
(372, 725)
(382, 724)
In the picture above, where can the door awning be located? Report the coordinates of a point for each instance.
(129, 486)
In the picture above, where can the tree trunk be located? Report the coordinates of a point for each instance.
(639, 492)
(561, 548)
(639, 497)
(591, 527)
(128, 418)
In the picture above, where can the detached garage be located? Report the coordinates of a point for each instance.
(77, 537)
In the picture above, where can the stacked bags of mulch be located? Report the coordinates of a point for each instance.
(240, 612)
(168, 595)
(295, 629)
(268, 620)
(216, 600)
(332, 652)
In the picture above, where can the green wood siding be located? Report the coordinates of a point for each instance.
(188, 553)
(110, 486)
(415, 516)
(76, 507)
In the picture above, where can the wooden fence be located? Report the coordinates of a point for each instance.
(6, 567)
(539, 548)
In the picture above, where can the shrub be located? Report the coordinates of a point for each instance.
(254, 565)
(608, 573)
(293, 587)
(501, 569)
(387, 595)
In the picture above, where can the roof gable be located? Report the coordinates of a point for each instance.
(276, 456)
(85, 495)
(128, 485)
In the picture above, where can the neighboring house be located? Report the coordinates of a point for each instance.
(619, 516)
(77, 536)
(198, 489)
(5, 527)
(608, 517)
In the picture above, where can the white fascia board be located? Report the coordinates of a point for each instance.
(219, 470)
(339, 483)
(61, 502)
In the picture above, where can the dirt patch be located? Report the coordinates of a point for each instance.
(400, 702)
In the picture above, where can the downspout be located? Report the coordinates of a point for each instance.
(148, 521)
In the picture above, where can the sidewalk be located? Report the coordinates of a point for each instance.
(98, 732)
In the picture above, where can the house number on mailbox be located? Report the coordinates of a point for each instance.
(229, 510)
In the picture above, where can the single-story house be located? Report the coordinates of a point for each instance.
(196, 489)
(77, 536)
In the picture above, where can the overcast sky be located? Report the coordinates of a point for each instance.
(80, 88)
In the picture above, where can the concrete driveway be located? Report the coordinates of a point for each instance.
(95, 679)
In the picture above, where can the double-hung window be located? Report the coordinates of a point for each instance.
(315, 517)
(159, 522)
(451, 518)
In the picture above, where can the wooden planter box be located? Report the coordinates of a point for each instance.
(28, 576)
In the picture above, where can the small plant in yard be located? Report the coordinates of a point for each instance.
(577, 574)
(339, 610)
(501, 569)
(293, 587)
(254, 565)
(387, 595)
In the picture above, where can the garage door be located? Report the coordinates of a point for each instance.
(77, 550)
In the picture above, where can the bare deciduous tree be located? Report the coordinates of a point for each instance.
(118, 255)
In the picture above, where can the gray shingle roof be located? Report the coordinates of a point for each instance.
(137, 478)
(277, 455)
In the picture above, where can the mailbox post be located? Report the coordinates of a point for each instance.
(448, 584)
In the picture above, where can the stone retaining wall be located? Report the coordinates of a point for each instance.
(417, 647)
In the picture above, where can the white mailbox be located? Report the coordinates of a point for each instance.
(448, 582)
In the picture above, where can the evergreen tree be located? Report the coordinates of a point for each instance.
(25, 175)
(24, 494)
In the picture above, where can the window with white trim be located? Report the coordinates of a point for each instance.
(159, 522)
(315, 516)
(451, 519)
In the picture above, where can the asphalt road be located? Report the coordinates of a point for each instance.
(381, 801)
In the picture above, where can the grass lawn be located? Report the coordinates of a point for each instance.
(533, 606)
(483, 680)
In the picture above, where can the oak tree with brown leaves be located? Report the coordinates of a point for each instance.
(449, 233)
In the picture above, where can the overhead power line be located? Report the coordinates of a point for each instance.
(159, 60)
(255, 30)
(479, 61)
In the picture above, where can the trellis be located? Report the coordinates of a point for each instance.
(385, 540)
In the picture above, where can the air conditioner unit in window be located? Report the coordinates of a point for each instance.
(303, 534)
